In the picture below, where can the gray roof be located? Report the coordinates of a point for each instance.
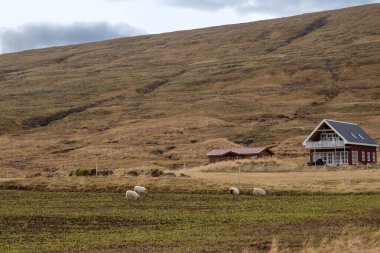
(351, 132)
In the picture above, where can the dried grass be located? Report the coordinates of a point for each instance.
(258, 165)
(348, 244)
(284, 182)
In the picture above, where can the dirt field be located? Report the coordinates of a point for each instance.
(107, 222)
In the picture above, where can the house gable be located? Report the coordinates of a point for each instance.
(350, 133)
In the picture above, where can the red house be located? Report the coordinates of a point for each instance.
(339, 143)
(218, 155)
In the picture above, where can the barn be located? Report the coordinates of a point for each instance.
(340, 143)
(218, 155)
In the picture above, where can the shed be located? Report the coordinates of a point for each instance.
(218, 155)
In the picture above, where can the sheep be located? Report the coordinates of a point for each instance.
(132, 195)
(259, 192)
(140, 189)
(234, 191)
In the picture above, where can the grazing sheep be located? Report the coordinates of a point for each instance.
(234, 191)
(132, 195)
(259, 192)
(140, 189)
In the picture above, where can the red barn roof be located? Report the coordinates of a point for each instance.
(238, 151)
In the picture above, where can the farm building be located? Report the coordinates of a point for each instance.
(339, 143)
(218, 155)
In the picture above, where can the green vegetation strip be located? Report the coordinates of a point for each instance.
(107, 222)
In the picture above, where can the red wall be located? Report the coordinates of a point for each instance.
(351, 148)
(360, 149)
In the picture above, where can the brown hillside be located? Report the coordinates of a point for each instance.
(169, 98)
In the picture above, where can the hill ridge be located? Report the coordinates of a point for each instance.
(169, 98)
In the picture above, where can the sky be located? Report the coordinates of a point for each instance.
(29, 24)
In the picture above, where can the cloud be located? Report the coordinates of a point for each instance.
(273, 7)
(30, 36)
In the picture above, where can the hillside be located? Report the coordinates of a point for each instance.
(168, 99)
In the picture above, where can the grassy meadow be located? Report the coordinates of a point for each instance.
(107, 222)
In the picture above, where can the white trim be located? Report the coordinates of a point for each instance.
(324, 144)
(362, 144)
(315, 129)
(355, 157)
(342, 122)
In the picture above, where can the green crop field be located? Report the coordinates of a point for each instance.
(107, 222)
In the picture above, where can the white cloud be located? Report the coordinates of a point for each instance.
(273, 7)
(41, 35)
(43, 23)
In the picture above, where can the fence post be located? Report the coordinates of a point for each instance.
(239, 174)
(97, 165)
(293, 178)
(186, 170)
(349, 178)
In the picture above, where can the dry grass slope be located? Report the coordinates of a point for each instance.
(168, 99)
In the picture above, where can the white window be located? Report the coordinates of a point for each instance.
(331, 158)
(361, 136)
(354, 157)
(329, 137)
(341, 157)
(374, 157)
(368, 156)
(363, 156)
(353, 135)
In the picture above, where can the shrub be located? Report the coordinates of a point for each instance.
(83, 173)
(133, 173)
(156, 173)
(105, 172)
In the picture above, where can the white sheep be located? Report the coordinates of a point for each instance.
(140, 189)
(259, 192)
(132, 195)
(234, 191)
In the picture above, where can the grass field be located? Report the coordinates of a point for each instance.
(107, 222)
